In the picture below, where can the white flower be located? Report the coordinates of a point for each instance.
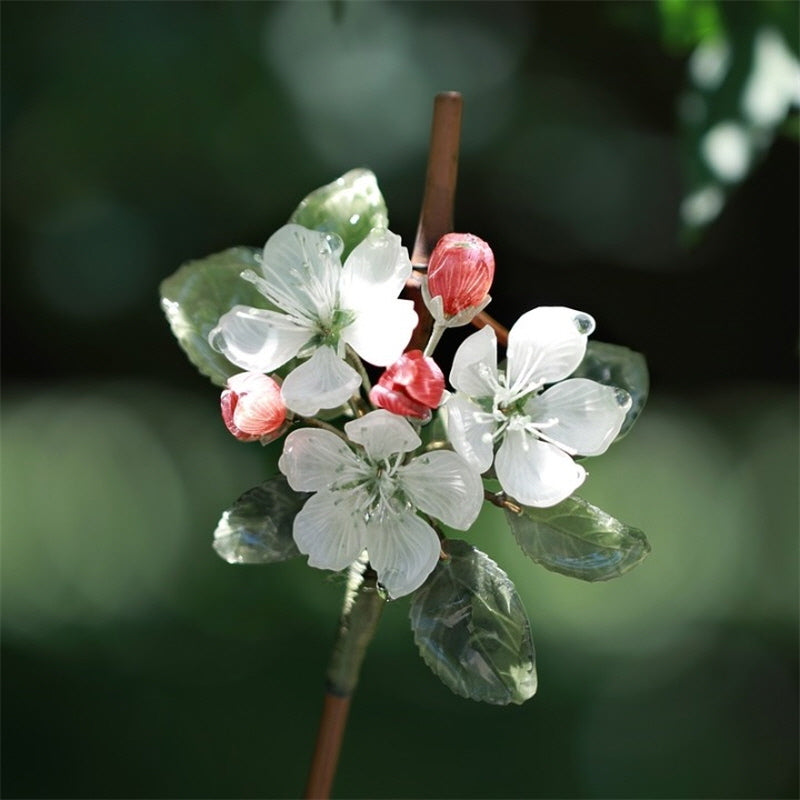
(538, 432)
(368, 497)
(321, 307)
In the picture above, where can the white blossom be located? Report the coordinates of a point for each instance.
(368, 495)
(319, 308)
(532, 433)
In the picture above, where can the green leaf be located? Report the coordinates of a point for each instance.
(614, 365)
(198, 294)
(577, 539)
(257, 528)
(472, 630)
(350, 206)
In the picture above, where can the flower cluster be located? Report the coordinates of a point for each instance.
(381, 483)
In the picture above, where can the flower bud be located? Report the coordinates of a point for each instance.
(460, 271)
(252, 407)
(411, 387)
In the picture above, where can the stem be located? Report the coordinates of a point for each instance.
(436, 216)
(436, 334)
(362, 608)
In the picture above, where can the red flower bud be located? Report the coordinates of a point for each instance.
(252, 407)
(411, 387)
(460, 271)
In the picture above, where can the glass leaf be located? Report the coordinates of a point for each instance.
(198, 294)
(472, 630)
(577, 539)
(350, 206)
(257, 528)
(614, 365)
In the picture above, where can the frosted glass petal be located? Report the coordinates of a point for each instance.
(324, 381)
(313, 459)
(474, 369)
(377, 269)
(546, 345)
(328, 531)
(443, 485)
(301, 269)
(589, 415)
(381, 331)
(382, 434)
(403, 550)
(470, 431)
(536, 473)
(258, 340)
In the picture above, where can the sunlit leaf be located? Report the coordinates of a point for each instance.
(350, 206)
(614, 365)
(472, 630)
(578, 539)
(198, 294)
(257, 528)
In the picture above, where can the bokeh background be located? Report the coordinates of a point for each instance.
(635, 160)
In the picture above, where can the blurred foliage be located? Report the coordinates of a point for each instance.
(137, 136)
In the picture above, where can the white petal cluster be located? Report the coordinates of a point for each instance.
(320, 308)
(368, 496)
(509, 418)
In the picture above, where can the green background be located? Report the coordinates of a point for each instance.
(135, 662)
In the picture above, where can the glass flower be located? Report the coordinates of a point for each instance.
(411, 387)
(369, 495)
(531, 433)
(319, 308)
(460, 273)
(252, 407)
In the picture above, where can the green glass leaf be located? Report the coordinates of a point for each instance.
(198, 294)
(350, 206)
(472, 630)
(614, 365)
(257, 528)
(577, 539)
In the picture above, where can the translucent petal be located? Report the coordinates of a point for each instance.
(546, 345)
(302, 269)
(474, 369)
(258, 340)
(329, 531)
(589, 414)
(381, 331)
(443, 485)
(376, 270)
(324, 381)
(536, 473)
(470, 431)
(260, 409)
(382, 434)
(403, 550)
(314, 459)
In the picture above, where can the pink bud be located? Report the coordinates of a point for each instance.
(252, 407)
(460, 271)
(411, 387)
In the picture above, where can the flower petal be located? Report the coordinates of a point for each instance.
(536, 473)
(382, 434)
(260, 409)
(470, 430)
(324, 381)
(474, 369)
(302, 269)
(445, 486)
(589, 415)
(377, 269)
(381, 331)
(545, 345)
(329, 532)
(314, 459)
(403, 550)
(256, 339)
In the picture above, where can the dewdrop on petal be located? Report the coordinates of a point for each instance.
(252, 407)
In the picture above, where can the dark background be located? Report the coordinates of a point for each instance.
(137, 136)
